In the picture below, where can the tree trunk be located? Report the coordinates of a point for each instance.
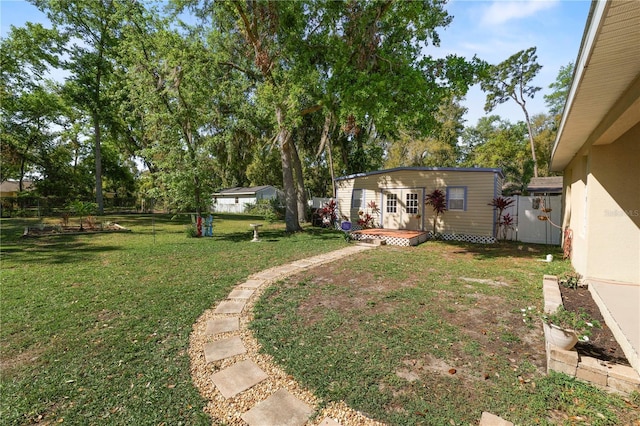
(301, 195)
(532, 143)
(98, 156)
(291, 219)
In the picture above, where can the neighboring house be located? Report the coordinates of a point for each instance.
(234, 200)
(11, 188)
(399, 197)
(598, 150)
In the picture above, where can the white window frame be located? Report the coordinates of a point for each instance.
(411, 199)
(355, 199)
(457, 193)
(392, 207)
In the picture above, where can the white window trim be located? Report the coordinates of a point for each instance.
(464, 198)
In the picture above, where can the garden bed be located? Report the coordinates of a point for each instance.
(601, 345)
(46, 231)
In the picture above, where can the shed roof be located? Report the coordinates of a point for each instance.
(545, 184)
(604, 99)
(422, 169)
(251, 190)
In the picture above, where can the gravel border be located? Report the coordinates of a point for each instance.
(229, 411)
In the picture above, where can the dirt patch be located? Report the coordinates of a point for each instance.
(602, 345)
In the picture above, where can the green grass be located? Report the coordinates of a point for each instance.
(94, 329)
(401, 335)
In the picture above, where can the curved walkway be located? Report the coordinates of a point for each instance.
(245, 387)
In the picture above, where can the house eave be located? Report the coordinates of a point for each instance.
(598, 113)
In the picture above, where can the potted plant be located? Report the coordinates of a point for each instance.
(565, 327)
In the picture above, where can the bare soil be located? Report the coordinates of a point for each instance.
(602, 345)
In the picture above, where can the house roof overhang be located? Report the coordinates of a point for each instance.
(604, 99)
(423, 169)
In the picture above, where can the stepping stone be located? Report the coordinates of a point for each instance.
(237, 378)
(489, 419)
(240, 294)
(329, 422)
(304, 263)
(254, 284)
(224, 348)
(281, 408)
(230, 307)
(267, 275)
(222, 325)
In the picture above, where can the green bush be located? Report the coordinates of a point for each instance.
(270, 210)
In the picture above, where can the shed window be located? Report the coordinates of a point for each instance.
(357, 199)
(237, 200)
(457, 198)
(392, 203)
(412, 203)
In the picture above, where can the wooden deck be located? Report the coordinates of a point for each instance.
(395, 237)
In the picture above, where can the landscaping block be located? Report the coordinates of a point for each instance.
(623, 386)
(624, 372)
(589, 375)
(561, 367)
(567, 357)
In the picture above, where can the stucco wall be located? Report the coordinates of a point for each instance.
(602, 207)
(614, 210)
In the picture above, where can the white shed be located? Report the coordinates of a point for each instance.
(235, 200)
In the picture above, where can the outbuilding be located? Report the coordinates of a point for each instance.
(235, 200)
(395, 200)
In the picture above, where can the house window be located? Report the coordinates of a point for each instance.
(237, 200)
(357, 199)
(392, 203)
(457, 198)
(412, 203)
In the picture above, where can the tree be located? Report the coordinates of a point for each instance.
(511, 79)
(361, 64)
(556, 100)
(30, 102)
(96, 23)
(440, 149)
(498, 143)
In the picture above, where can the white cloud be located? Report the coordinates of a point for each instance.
(500, 12)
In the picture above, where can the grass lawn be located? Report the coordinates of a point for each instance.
(94, 328)
(431, 335)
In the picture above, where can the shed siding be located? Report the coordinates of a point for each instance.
(481, 187)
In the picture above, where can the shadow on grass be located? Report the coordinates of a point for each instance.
(505, 249)
(272, 236)
(53, 250)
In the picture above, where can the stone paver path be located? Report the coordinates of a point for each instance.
(244, 386)
(222, 338)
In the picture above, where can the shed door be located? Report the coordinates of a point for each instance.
(402, 209)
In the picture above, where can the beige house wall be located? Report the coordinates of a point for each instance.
(600, 190)
(481, 188)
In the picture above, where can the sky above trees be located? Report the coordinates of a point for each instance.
(493, 30)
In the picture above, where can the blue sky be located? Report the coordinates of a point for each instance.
(493, 30)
